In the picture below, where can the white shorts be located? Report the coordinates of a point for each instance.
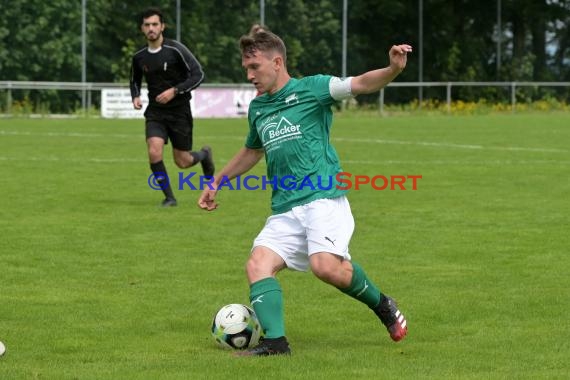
(324, 225)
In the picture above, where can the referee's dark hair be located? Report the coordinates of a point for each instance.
(151, 12)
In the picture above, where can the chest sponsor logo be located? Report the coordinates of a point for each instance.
(276, 132)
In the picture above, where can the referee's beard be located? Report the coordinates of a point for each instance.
(157, 38)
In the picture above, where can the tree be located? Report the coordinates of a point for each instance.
(42, 40)
(40, 43)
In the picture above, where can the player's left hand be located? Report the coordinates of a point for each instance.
(166, 96)
(398, 56)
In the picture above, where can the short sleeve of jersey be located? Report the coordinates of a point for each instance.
(253, 141)
(329, 89)
(320, 88)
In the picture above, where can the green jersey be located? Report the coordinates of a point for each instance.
(293, 127)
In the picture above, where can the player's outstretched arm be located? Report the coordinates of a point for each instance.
(243, 161)
(375, 80)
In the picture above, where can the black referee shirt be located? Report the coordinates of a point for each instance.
(172, 66)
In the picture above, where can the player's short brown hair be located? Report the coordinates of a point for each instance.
(264, 42)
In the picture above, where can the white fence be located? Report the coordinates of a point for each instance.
(237, 101)
(512, 86)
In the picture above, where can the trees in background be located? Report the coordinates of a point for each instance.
(41, 41)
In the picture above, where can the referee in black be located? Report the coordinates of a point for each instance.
(171, 72)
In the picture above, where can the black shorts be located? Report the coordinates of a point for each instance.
(174, 124)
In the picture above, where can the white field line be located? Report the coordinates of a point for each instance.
(450, 145)
(118, 160)
(63, 134)
(97, 160)
(103, 135)
(339, 139)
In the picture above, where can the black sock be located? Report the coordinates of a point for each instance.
(159, 171)
(198, 156)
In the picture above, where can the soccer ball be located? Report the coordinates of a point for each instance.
(235, 326)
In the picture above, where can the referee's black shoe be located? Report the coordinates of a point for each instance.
(208, 162)
(169, 202)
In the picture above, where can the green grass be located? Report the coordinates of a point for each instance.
(97, 282)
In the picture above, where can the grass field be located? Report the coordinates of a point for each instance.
(98, 282)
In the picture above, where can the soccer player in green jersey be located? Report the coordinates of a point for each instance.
(311, 225)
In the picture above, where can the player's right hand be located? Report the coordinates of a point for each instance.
(137, 104)
(207, 200)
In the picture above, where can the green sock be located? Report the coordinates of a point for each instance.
(267, 301)
(361, 288)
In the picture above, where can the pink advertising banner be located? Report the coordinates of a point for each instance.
(207, 102)
(221, 102)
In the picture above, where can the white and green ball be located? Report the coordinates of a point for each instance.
(235, 326)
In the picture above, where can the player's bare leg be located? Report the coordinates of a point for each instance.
(351, 279)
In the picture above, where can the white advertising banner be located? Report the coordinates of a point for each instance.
(207, 102)
(117, 104)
